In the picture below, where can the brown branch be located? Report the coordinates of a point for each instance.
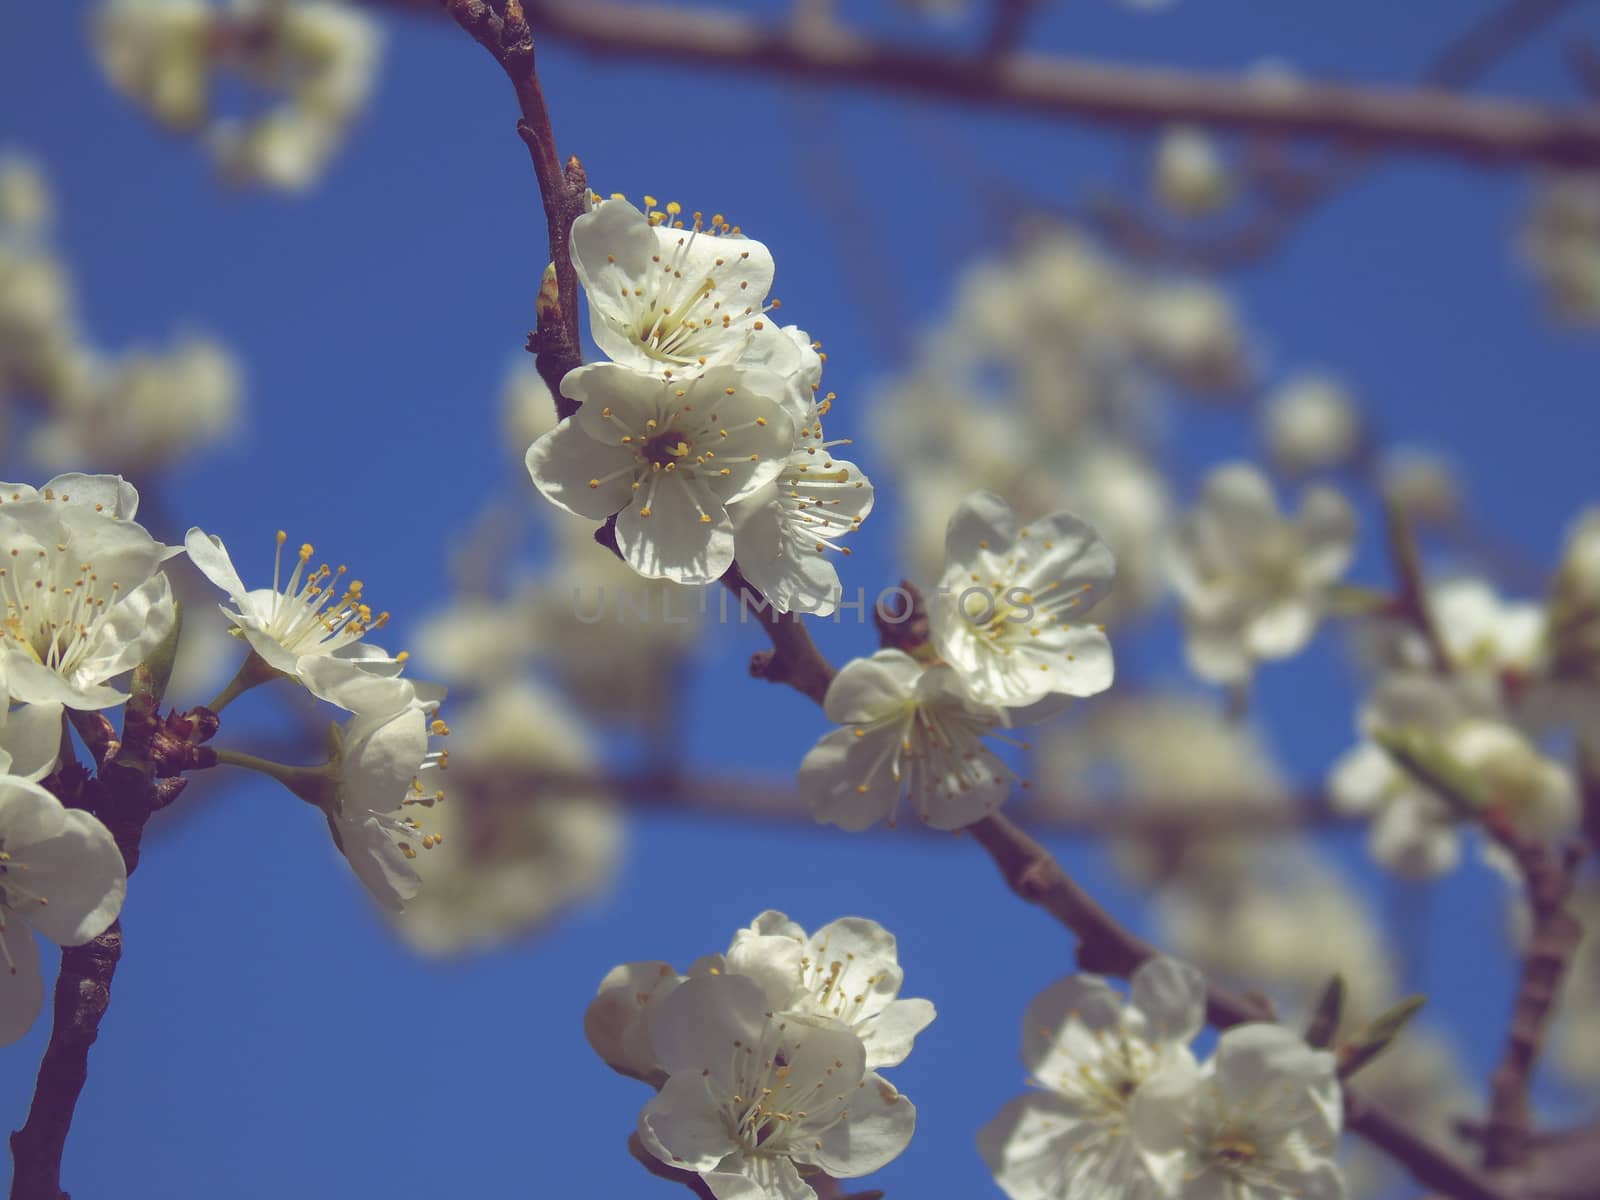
(122, 795)
(794, 658)
(1392, 119)
(1508, 1136)
(502, 30)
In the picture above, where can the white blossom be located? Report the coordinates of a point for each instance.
(1258, 1122)
(674, 301)
(753, 1096)
(30, 738)
(1253, 583)
(910, 733)
(1311, 423)
(26, 206)
(666, 457)
(315, 614)
(848, 971)
(83, 596)
(1003, 614)
(1189, 174)
(513, 853)
(60, 874)
(383, 775)
(1090, 1053)
(1423, 485)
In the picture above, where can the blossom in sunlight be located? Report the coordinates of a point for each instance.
(60, 874)
(30, 738)
(82, 592)
(673, 301)
(154, 52)
(909, 733)
(1007, 615)
(315, 614)
(848, 971)
(1189, 174)
(141, 410)
(1259, 1121)
(784, 530)
(1191, 331)
(1253, 582)
(515, 848)
(666, 457)
(383, 776)
(1416, 829)
(752, 1096)
(1090, 1052)
(1312, 423)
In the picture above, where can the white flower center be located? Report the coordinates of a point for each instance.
(54, 606)
(682, 311)
(770, 1106)
(312, 614)
(679, 447)
(938, 750)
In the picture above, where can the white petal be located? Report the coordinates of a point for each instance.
(758, 1177)
(982, 517)
(210, 556)
(683, 1125)
(846, 780)
(868, 690)
(686, 538)
(30, 737)
(890, 1034)
(566, 461)
(135, 626)
(878, 1128)
(694, 1027)
(21, 986)
(1172, 997)
(614, 1021)
(1327, 523)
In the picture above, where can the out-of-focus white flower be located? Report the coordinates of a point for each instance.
(315, 614)
(1090, 1052)
(1575, 1035)
(848, 971)
(527, 410)
(316, 60)
(1189, 175)
(1259, 1121)
(1415, 830)
(1422, 1075)
(1561, 243)
(1422, 484)
(1253, 582)
(909, 732)
(1573, 638)
(1174, 757)
(1312, 424)
(751, 1095)
(37, 321)
(60, 873)
(83, 598)
(154, 51)
(666, 458)
(673, 301)
(1249, 930)
(513, 853)
(1003, 616)
(1191, 332)
(25, 204)
(142, 410)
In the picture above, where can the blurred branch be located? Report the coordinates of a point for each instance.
(1392, 119)
(500, 28)
(1288, 194)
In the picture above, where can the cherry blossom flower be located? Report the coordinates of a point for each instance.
(315, 613)
(1004, 614)
(665, 456)
(1258, 1122)
(30, 738)
(1312, 423)
(82, 596)
(1091, 1053)
(847, 971)
(753, 1098)
(60, 874)
(785, 529)
(1252, 582)
(910, 733)
(669, 300)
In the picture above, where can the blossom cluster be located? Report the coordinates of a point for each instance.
(84, 598)
(766, 1058)
(68, 401)
(316, 58)
(1122, 1108)
(702, 435)
(1008, 647)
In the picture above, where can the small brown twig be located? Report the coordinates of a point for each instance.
(502, 30)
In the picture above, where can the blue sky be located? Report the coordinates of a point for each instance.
(267, 1037)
